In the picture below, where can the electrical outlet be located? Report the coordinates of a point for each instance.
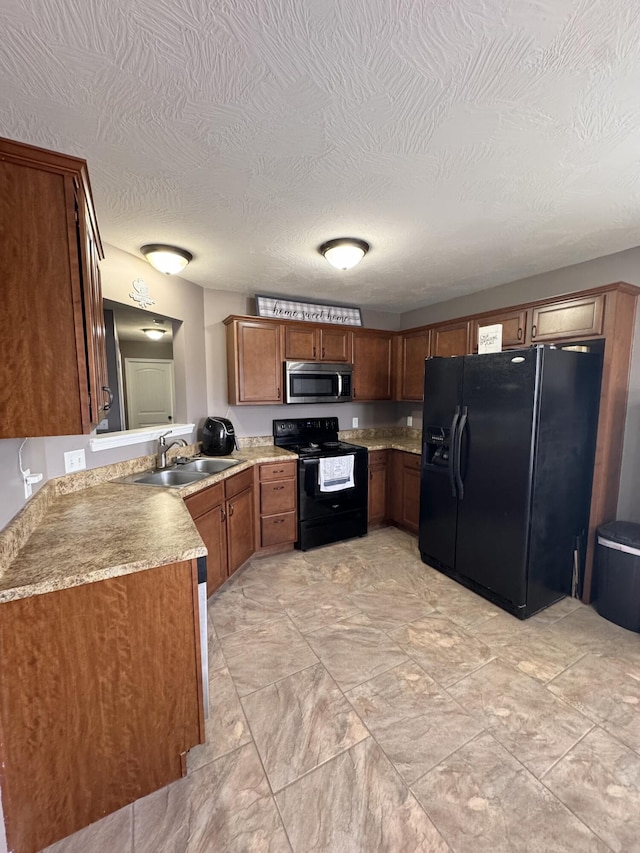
(74, 460)
(409, 420)
(354, 423)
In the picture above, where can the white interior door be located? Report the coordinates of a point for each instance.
(149, 392)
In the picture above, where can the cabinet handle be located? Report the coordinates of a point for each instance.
(108, 404)
(314, 352)
(519, 333)
(534, 330)
(223, 514)
(354, 392)
(278, 393)
(279, 471)
(278, 520)
(230, 510)
(371, 475)
(278, 488)
(322, 352)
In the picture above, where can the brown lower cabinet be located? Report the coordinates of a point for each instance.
(278, 498)
(404, 490)
(378, 460)
(100, 699)
(224, 516)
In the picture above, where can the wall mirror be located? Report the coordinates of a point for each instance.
(140, 364)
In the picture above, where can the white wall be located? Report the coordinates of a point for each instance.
(622, 266)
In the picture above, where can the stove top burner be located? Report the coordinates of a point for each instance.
(309, 448)
(331, 444)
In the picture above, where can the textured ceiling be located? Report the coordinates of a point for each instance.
(471, 143)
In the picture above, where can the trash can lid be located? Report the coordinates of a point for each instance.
(624, 532)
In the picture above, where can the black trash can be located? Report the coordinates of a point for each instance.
(618, 573)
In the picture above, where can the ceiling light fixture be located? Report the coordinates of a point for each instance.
(166, 259)
(344, 252)
(154, 334)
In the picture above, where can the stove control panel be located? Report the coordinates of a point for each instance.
(303, 427)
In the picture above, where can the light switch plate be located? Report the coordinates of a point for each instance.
(354, 423)
(409, 420)
(74, 460)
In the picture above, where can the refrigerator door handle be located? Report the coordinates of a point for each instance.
(452, 452)
(458, 452)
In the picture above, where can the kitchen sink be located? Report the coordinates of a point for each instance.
(210, 466)
(166, 478)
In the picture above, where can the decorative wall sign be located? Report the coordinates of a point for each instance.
(307, 312)
(140, 293)
(490, 338)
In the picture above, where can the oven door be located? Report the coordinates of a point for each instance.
(317, 383)
(315, 504)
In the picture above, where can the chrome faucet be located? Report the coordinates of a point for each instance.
(163, 447)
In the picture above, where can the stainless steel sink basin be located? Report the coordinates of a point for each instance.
(210, 466)
(168, 478)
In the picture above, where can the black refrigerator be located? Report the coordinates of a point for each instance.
(508, 445)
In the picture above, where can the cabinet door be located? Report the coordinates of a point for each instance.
(277, 496)
(377, 487)
(452, 339)
(258, 362)
(240, 529)
(414, 348)
(411, 493)
(335, 345)
(301, 343)
(514, 327)
(371, 366)
(213, 532)
(574, 318)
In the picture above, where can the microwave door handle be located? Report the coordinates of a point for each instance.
(339, 385)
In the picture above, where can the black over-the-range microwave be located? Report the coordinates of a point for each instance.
(317, 382)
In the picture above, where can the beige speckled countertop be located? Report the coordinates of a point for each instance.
(84, 527)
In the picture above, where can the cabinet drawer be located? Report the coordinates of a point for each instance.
(278, 529)
(238, 483)
(278, 496)
(277, 471)
(411, 460)
(205, 500)
(377, 458)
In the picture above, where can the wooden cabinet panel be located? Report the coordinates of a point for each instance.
(213, 532)
(240, 529)
(335, 345)
(278, 496)
(100, 694)
(377, 486)
(372, 360)
(52, 352)
(205, 500)
(450, 339)
(514, 328)
(278, 529)
(414, 348)
(404, 490)
(277, 471)
(254, 362)
(571, 319)
(300, 343)
(238, 483)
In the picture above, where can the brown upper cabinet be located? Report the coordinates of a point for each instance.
(53, 374)
(254, 361)
(570, 319)
(305, 342)
(413, 349)
(372, 364)
(514, 327)
(450, 339)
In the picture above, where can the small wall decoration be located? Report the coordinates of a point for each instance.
(307, 312)
(490, 338)
(140, 293)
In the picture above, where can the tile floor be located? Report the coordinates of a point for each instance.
(361, 701)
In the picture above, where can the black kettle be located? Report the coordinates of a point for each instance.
(218, 437)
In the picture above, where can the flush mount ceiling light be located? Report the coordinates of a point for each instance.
(344, 252)
(166, 259)
(154, 334)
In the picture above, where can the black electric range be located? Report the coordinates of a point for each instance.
(333, 486)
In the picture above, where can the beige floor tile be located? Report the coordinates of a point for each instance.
(114, 833)
(348, 571)
(461, 606)
(531, 648)
(599, 780)
(356, 803)
(216, 658)
(444, 650)
(224, 806)
(413, 719)
(242, 607)
(283, 572)
(318, 605)
(226, 729)
(535, 726)
(484, 801)
(300, 722)
(354, 653)
(555, 612)
(389, 608)
(588, 631)
(264, 654)
(607, 690)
